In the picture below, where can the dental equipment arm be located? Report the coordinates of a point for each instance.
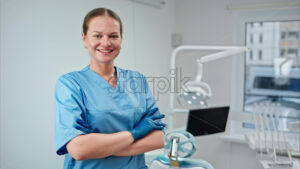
(204, 92)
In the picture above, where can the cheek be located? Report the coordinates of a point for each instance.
(118, 49)
(91, 44)
(118, 45)
(94, 44)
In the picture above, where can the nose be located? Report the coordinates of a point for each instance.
(105, 41)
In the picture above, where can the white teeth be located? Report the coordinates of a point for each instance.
(105, 51)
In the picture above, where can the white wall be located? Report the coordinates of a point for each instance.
(40, 40)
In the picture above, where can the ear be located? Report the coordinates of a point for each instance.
(83, 36)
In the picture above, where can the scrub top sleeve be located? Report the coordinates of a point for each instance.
(70, 118)
(150, 102)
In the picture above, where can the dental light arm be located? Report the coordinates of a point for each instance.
(197, 92)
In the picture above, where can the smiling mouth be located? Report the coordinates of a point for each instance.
(104, 51)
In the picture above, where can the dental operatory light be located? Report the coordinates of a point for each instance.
(197, 92)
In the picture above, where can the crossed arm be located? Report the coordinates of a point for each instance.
(97, 145)
(154, 140)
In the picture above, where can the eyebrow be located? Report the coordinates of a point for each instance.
(102, 32)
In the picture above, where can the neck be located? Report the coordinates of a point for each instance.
(103, 70)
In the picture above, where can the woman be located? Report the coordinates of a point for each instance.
(105, 116)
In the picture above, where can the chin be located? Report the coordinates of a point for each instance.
(105, 61)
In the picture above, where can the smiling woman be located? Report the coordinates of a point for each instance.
(98, 122)
(103, 39)
(102, 35)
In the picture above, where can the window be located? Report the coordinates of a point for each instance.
(272, 70)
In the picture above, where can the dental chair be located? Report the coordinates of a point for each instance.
(179, 146)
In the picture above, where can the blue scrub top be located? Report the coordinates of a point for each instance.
(86, 103)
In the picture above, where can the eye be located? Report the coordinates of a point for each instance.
(97, 36)
(114, 36)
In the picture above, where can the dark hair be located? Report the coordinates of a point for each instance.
(100, 12)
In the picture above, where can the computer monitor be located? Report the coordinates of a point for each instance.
(207, 121)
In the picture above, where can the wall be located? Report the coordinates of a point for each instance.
(40, 40)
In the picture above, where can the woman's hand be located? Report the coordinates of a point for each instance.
(149, 123)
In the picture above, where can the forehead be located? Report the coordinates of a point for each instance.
(104, 24)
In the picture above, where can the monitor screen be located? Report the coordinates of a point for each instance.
(207, 121)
